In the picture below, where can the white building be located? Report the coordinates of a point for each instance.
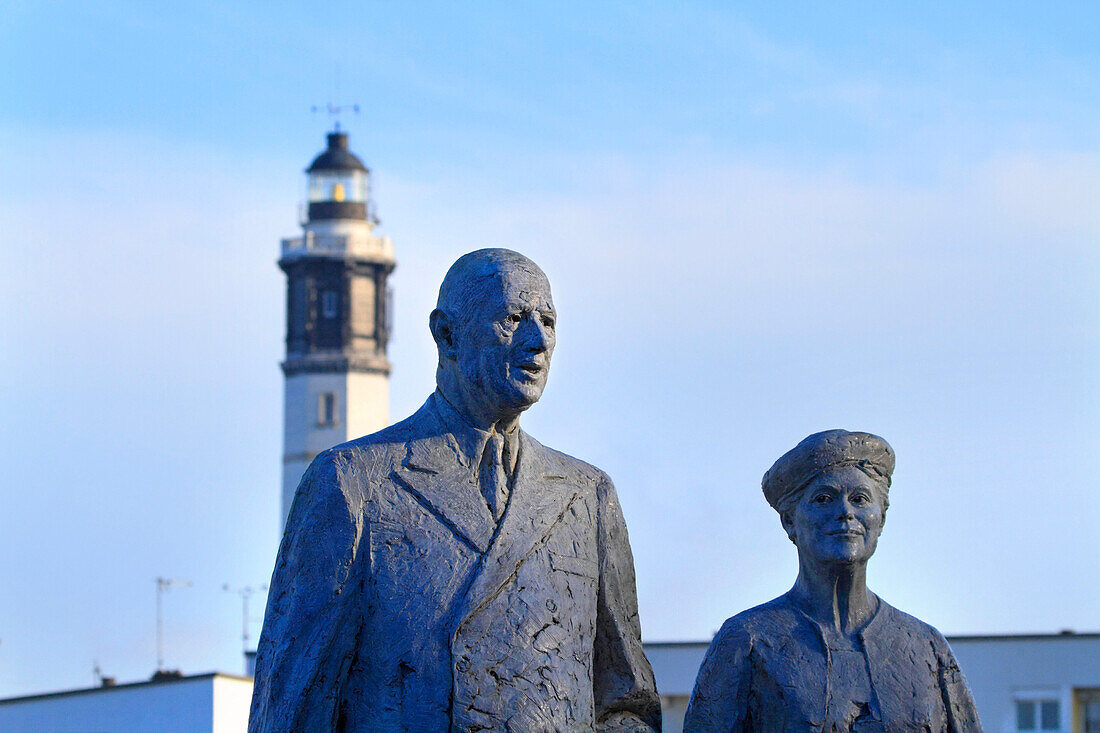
(1022, 684)
(1046, 683)
(206, 703)
(675, 665)
(1037, 682)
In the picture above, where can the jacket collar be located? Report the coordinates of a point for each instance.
(469, 438)
(441, 472)
(436, 469)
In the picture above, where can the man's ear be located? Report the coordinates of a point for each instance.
(444, 334)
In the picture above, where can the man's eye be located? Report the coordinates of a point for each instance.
(860, 499)
(821, 499)
(548, 322)
(514, 318)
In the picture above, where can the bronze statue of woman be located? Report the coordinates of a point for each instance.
(829, 655)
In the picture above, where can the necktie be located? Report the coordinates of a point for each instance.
(494, 482)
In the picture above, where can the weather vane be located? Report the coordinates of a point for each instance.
(335, 110)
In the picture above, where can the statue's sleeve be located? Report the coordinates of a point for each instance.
(307, 642)
(625, 693)
(720, 700)
(962, 716)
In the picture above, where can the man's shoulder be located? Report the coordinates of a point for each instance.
(568, 466)
(352, 473)
(385, 441)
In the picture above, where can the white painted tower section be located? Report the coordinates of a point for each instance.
(362, 408)
(336, 371)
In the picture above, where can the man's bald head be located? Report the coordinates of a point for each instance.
(476, 276)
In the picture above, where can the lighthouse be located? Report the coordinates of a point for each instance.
(337, 315)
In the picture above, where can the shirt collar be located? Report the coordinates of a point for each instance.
(471, 439)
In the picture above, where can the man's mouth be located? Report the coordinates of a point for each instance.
(847, 533)
(531, 368)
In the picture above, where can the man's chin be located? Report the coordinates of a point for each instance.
(523, 395)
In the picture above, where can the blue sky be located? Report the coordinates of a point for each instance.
(759, 222)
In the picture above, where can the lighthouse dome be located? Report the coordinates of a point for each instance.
(337, 157)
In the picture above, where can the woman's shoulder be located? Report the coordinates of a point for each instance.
(720, 699)
(776, 616)
(891, 621)
(727, 659)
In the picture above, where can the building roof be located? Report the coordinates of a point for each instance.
(337, 157)
(126, 686)
(1065, 634)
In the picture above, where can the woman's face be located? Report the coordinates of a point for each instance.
(838, 518)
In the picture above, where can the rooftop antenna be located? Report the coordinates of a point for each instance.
(336, 110)
(163, 584)
(245, 593)
(101, 679)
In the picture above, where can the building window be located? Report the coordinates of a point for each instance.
(326, 409)
(1088, 709)
(1091, 716)
(1038, 715)
(329, 304)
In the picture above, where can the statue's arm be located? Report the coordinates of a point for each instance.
(307, 642)
(624, 689)
(962, 716)
(720, 700)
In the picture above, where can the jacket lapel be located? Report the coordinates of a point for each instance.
(884, 640)
(540, 497)
(447, 488)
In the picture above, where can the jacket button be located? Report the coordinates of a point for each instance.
(463, 665)
(550, 605)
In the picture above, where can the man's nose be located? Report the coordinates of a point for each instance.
(539, 337)
(845, 509)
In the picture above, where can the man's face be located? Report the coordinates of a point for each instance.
(505, 343)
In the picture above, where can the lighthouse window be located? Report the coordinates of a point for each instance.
(326, 409)
(328, 304)
(338, 186)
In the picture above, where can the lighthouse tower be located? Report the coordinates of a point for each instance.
(337, 315)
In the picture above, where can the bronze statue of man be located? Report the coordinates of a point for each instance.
(450, 573)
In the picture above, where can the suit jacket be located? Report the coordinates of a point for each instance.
(397, 603)
(767, 670)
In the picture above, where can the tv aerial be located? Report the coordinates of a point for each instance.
(335, 110)
(163, 584)
(245, 593)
